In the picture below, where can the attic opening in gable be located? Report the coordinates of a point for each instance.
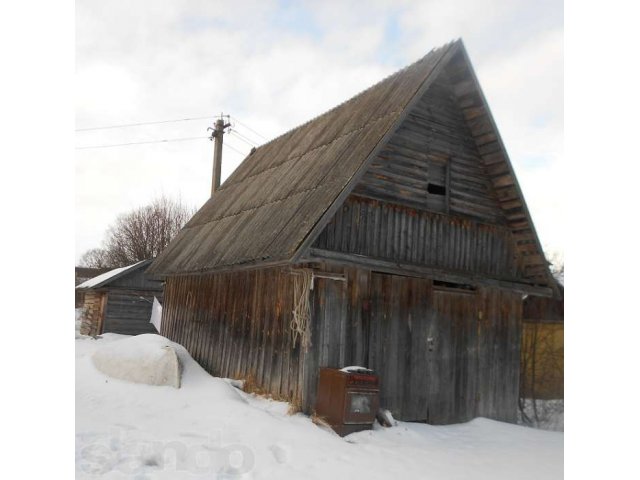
(437, 195)
(436, 189)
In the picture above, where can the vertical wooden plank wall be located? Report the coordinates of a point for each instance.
(128, 313)
(499, 336)
(237, 325)
(383, 230)
(443, 355)
(331, 327)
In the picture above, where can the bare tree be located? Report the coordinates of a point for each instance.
(96, 258)
(142, 233)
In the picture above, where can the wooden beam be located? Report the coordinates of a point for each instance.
(316, 254)
(252, 265)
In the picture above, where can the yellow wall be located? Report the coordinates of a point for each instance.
(547, 341)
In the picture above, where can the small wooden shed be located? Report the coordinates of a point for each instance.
(119, 301)
(389, 232)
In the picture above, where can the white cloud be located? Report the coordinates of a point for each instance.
(108, 89)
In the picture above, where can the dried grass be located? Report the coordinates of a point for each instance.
(320, 421)
(251, 386)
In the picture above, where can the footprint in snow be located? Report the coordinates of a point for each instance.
(282, 453)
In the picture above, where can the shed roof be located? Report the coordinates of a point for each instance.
(85, 273)
(112, 275)
(274, 204)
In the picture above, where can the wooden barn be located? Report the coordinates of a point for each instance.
(119, 301)
(389, 232)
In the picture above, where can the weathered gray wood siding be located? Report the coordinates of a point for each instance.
(128, 313)
(443, 356)
(394, 214)
(391, 231)
(128, 303)
(434, 145)
(236, 325)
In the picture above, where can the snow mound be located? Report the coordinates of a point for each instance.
(148, 358)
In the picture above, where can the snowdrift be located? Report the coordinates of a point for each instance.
(148, 358)
(209, 429)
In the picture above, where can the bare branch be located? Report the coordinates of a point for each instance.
(140, 234)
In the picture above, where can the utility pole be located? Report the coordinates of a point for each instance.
(216, 136)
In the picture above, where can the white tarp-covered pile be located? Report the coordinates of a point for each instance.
(148, 358)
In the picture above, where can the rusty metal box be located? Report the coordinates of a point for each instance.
(348, 401)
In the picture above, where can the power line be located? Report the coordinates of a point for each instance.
(239, 137)
(184, 139)
(254, 143)
(128, 125)
(125, 125)
(234, 119)
(234, 149)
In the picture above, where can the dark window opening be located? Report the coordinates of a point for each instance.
(454, 286)
(436, 189)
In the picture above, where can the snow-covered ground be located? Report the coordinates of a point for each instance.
(209, 429)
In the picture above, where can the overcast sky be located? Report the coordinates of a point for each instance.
(274, 65)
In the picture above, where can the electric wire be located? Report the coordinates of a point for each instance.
(254, 143)
(166, 140)
(125, 125)
(233, 132)
(235, 119)
(234, 149)
(238, 135)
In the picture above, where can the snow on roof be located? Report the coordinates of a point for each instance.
(92, 282)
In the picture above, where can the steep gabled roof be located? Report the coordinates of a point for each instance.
(268, 206)
(277, 201)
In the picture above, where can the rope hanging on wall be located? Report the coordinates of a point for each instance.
(302, 284)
